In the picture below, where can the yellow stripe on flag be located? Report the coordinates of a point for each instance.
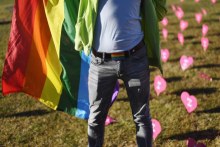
(55, 15)
(53, 86)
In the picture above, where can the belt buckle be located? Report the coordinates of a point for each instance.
(118, 56)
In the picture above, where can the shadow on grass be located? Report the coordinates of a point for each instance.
(27, 114)
(1, 95)
(212, 20)
(207, 66)
(212, 110)
(174, 23)
(2, 22)
(215, 34)
(190, 37)
(196, 91)
(173, 79)
(216, 79)
(196, 42)
(153, 69)
(217, 48)
(197, 135)
(189, 17)
(195, 27)
(174, 60)
(123, 100)
(199, 42)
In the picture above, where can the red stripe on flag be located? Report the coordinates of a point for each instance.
(19, 46)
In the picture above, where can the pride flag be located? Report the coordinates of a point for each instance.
(41, 60)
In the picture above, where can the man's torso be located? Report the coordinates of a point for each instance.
(118, 26)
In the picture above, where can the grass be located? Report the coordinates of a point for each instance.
(27, 122)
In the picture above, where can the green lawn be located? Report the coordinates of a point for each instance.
(27, 122)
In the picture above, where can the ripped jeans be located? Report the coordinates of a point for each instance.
(103, 74)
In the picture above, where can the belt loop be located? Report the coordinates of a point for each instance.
(129, 53)
(103, 56)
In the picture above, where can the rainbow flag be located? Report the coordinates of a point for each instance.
(41, 60)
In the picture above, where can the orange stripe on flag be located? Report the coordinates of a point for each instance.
(36, 69)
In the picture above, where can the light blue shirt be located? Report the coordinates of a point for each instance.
(118, 26)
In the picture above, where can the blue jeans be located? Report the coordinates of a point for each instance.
(103, 74)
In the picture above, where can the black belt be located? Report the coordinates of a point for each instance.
(118, 54)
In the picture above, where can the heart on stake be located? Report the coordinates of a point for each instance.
(180, 38)
(179, 12)
(186, 62)
(204, 12)
(205, 29)
(205, 76)
(165, 33)
(159, 84)
(213, 1)
(173, 8)
(183, 25)
(156, 128)
(205, 43)
(109, 120)
(198, 17)
(165, 54)
(164, 21)
(189, 101)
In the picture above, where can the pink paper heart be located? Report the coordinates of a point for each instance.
(192, 143)
(198, 17)
(179, 13)
(204, 43)
(213, 1)
(180, 38)
(159, 84)
(181, 0)
(156, 128)
(204, 12)
(178, 8)
(164, 21)
(189, 101)
(197, 1)
(109, 120)
(165, 33)
(200, 145)
(186, 62)
(183, 25)
(165, 54)
(205, 76)
(205, 29)
(173, 8)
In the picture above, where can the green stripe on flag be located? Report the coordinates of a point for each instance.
(70, 59)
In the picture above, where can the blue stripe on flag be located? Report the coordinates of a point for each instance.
(83, 96)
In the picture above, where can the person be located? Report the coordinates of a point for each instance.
(120, 49)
